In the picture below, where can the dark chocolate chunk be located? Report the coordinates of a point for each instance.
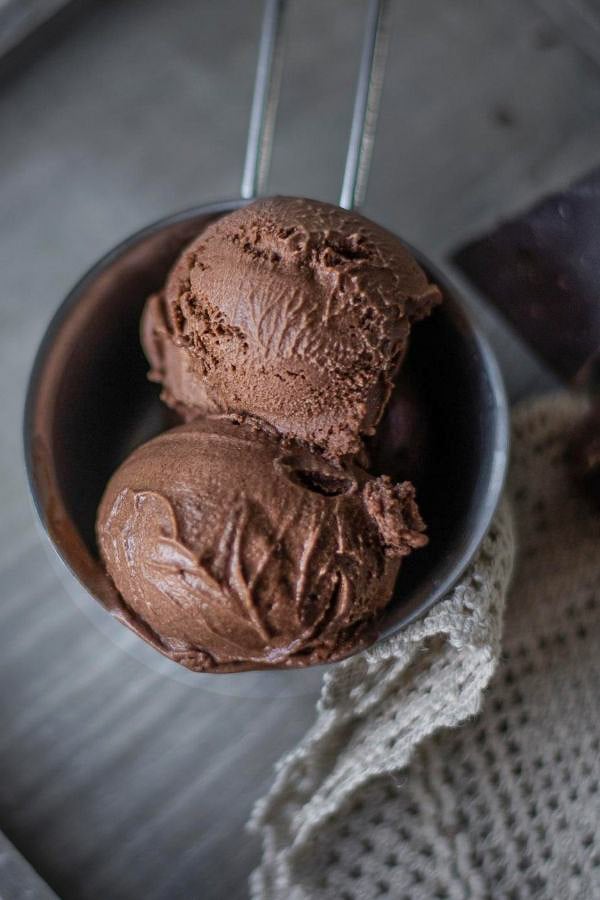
(542, 270)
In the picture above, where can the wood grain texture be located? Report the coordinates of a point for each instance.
(18, 881)
(119, 778)
(20, 18)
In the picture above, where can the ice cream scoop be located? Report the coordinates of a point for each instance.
(292, 310)
(242, 551)
(89, 403)
(90, 362)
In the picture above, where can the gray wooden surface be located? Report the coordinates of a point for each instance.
(20, 18)
(119, 777)
(18, 880)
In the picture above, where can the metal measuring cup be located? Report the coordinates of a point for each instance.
(90, 360)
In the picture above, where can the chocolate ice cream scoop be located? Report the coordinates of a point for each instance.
(292, 310)
(241, 551)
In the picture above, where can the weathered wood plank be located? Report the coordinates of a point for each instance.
(20, 18)
(18, 881)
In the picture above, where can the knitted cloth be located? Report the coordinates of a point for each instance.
(372, 804)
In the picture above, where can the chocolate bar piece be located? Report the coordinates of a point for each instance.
(542, 270)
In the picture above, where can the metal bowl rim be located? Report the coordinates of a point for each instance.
(498, 446)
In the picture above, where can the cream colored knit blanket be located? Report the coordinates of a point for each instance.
(373, 804)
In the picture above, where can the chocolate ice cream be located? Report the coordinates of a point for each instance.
(254, 536)
(241, 550)
(292, 310)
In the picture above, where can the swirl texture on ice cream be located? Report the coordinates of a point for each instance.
(240, 550)
(292, 310)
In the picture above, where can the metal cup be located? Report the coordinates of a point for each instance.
(89, 402)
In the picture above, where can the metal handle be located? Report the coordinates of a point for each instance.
(366, 103)
(264, 102)
(366, 106)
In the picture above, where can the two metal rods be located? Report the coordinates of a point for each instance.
(366, 103)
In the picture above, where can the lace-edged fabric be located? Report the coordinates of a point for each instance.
(374, 710)
(381, 801)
